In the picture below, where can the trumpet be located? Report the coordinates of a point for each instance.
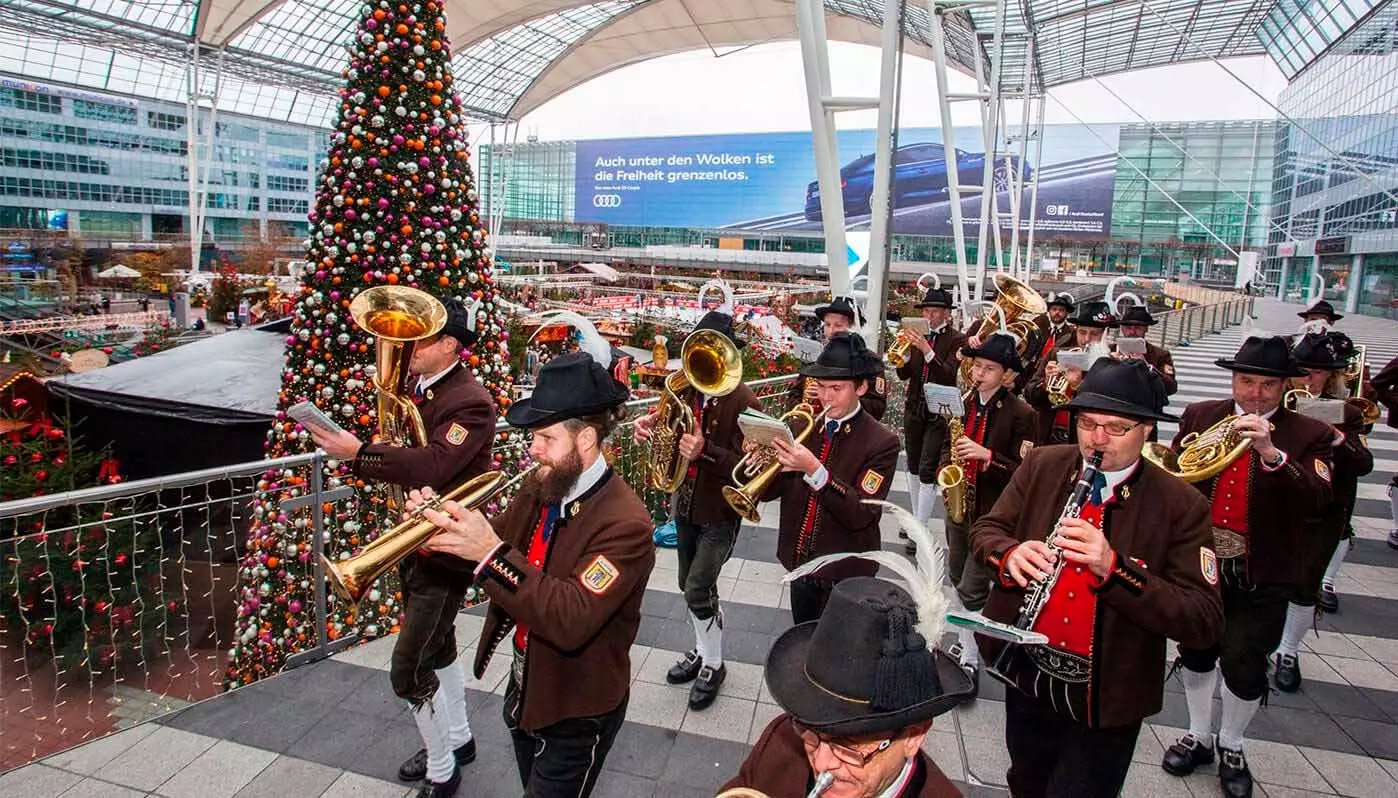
(759, 467)
(897, 354)
(350, 578)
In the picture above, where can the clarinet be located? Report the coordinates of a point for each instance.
(1037, 594)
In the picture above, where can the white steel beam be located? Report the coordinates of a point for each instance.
(880, 204)
(815, 58)
(944, 100)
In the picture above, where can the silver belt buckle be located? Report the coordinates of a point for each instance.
(1229, 544)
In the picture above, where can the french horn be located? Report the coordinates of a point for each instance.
(1204, 454)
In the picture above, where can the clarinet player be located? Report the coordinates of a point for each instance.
(1134, 564)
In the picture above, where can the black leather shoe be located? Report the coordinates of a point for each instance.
(705, 688)
(1288, 675)
(974, 672)
(415, 769)
(431, 789)
(685, 670)
(1233, 774)
(1186, 754)
(1328, 600)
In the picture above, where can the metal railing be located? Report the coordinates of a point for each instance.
(1186, 325)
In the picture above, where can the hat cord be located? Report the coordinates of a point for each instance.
(904, 670)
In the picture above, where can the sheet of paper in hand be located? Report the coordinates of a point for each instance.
(1131, 346)
(761, 429)
(944, 400)
(308, 415)
(1073, 359)
(917, 325)
(1331, 411)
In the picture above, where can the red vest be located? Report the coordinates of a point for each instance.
(1070, 614)
(1230, 499)
(538, 554)
(976, 424)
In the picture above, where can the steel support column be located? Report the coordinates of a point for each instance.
(199, 184)
(880, 203)
(1039, 102)
(944, 99)
(815, 58)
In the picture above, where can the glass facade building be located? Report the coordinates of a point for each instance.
(113, 167)
(1335, 184)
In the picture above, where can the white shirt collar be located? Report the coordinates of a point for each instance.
(938, 329)
(1115, 478)
(586, 480)
(900, 782)
(1238, 409)
(857, 407)
(423, 383)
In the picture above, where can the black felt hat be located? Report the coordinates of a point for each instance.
(1129, 388)
(1267, 357)
(1322, 308)
(721, 322)
(936, 298)
(1329, 351)
(1137, 314)
(1094, 313)
(461, 322)
(998, 348)
(569, 386)
(1062, 300)
(842, 305)
(863, 668)
(845, 357)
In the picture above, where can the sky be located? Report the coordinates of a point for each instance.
(762, 89)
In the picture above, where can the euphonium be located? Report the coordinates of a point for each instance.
(711, 365)
(1204, 455)
(1016, 301)
(1354, 380)
(351, 577)
(398, 317)
(1036, 595)
(759, 467)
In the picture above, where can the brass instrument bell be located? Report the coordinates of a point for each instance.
(710, 364)
(745, 499)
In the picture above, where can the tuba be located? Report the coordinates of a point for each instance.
(1018, 306)
(350, 578)
(1206, 454)
(711, 365)
(398, 317)
(759, 467)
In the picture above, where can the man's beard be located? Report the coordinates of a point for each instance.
(561, 477)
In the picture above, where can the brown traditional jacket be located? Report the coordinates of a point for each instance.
(861, 463)
(1160, 359)
(1036, 394)
(1383, 389)
(460, 420)
(1009, 435)
(778, 767)
(1281, 503)
(582, 609)
(1163, 585)
(946, 345)
(1062, 338)
(723, 447)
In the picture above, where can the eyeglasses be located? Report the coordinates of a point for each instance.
(844, 751)
(1116, 429)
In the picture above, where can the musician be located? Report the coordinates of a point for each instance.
(930, 360)
(706, 525)
(841, 716)
(1385, 392)
(1054, 330)
(1134, 324)
(1319, 317)
(1138, 568)
(459, 416)
(849, 458)
(842, 316)
(998, 432)
(565, 566)
(1324, 356)
(1261, 507)
(1089, 328)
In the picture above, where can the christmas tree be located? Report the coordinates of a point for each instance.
(395, 205)
(83, 591)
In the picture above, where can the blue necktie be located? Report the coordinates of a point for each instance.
(1099, 488)
(555, 512)
(830, 427)
(420, 391)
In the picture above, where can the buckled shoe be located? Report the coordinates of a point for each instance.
(415, 769)
(1185, 755)
(1288, 676)
(705, 688)
(1233, 774)
(684, 671)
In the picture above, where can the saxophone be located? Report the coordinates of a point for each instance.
(1037, 594)
(956, 491)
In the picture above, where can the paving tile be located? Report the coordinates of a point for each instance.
(611, 784)
(1273, 791)
(36, 780)
(1352, 775)
(640, 750)
(728, 718)
(657, 664)
(152, 761)
(1364, 673)
(221, 771)
(945, 750)
(638, 655)
(353, 785)
(1381, 649)
(987, 759)
(1338, 700)
(660, 604)
(1377, 739)
(1148, 747)
(765, 618)
(339, 739)
(95, 788)
(1149, 781)
(394, 743)
(703, 762)
(494, 773)
(658, 705)
(750, 647)
(743, 680)
(763, 715)
(288, 775)
(1298, 727)
(277, 725)
(376, 653)
(981, 718)
(89, 757)
(1283, 765)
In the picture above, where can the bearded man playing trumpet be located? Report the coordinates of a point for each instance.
(1052, 384)
(565, 567)
(1268, 477)
(1324, 357)
(707, 527)
(997, 432)
(847, 458)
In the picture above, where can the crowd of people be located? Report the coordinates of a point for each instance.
(1065, 521)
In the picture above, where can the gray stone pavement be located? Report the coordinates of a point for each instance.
(334, 729)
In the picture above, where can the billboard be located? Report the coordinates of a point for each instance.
(766, 181)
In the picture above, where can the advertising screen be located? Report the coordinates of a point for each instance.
(767, 181)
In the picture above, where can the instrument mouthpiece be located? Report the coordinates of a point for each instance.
(822, 783)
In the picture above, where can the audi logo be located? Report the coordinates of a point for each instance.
(606, 200)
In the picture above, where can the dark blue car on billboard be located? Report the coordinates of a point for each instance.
(919, 178)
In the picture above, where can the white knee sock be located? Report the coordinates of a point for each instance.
(450, 701)
(1199, 695)
(913, 493)
(970, 653)
(1298, 620)
(1237, 714)
(928, 500)
(1332, 571)
(708, 640)
(431, 724)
